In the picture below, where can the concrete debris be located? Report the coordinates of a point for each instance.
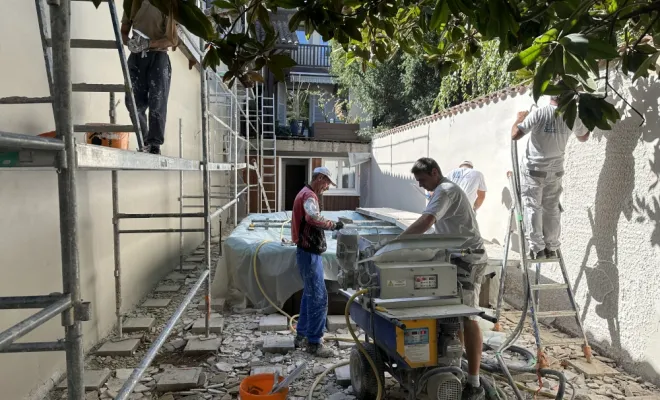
(253, 343)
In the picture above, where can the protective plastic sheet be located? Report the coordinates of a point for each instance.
(276, 263)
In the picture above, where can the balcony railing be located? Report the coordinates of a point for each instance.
(312, 55)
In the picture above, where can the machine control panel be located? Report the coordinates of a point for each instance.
(416, 345)
(426, 282)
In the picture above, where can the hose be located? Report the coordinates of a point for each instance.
(320, 377)
(360, 347)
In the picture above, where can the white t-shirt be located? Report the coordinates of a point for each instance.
(469, 180)
(454, 216)
(547, 142)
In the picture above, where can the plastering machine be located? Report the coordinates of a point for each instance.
(411, 309)
(406, 297)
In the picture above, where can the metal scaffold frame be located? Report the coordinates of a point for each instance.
(67, 156)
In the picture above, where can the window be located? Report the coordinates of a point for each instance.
(346, 177)
(302, 38)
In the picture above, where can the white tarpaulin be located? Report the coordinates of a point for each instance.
(276, 263)
(358, 158)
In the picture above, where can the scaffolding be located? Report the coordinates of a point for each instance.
(66, 157)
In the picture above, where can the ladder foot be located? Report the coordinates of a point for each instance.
(586, 349)
(542, 359)
(497, 327)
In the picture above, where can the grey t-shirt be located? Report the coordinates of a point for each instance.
(547, 142)
(454, 216)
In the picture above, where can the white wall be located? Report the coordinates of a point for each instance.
(611, 236)
(30, 247)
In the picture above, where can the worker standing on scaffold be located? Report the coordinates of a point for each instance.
(541, 174)
(307, 232)
(452, 213)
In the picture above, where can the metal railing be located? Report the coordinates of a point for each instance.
(312, 55)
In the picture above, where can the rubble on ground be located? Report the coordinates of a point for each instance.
(243, 345)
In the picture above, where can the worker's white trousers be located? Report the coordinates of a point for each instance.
(542, 216)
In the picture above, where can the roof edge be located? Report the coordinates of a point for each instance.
(460, 108)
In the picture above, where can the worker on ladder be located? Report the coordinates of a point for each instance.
(149, 67)
(541, 174)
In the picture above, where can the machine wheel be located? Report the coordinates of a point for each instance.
(363, 379)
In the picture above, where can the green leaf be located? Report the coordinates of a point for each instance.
(440, 16)
(570, 112)
(295, 20)
(575, 66)
(224, 4)
(612, 6)
(352, 30)
(97, 3)
(542, 79)
(281, 61)
(601, 50)
(648, 64)
(525, 58)
(211, 59)
(576, 43)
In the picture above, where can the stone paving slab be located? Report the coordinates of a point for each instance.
(177, 379)
(93, 379)
(216, 324)
(168, 288)
(197, 346)
(156, 303)
(122, 347)
(189, 267)
(343, 375)
(278, 344)
(268, 369)
(595, 368)
(273, 323)
(217, 304)
(176, 276)
(335, 322)
(195, 258)
(138, 324)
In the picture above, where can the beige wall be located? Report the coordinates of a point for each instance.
(29, 247)
(611, 236)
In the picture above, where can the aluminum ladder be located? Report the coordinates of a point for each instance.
(268, 152)
(126, 87)
(533, 288)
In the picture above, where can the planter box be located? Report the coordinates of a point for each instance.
(338, 132)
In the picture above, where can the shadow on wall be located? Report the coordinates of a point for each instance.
(507, 202)
(613, 197)
(399, 191)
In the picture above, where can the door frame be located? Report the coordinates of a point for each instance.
(281, 177)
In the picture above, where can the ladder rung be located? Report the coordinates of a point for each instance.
(549, 286)
(25, 100)
(562, 341)
(543, 261)
(98, 87)
(103, 128)
(551, 314)
(89, 44)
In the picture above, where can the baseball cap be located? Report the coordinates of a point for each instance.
(324, 171)
(466, 162)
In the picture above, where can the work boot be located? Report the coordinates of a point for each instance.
(319, 350)
(154, 149)
(473, 393)
(540, 255)
(550, 253)
(300, 341)
(146, 148)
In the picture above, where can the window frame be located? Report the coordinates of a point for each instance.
(338, 191)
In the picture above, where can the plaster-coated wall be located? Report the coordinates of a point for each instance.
(611, 236)
(30, 247)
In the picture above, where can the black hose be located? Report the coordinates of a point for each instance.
(496, 368)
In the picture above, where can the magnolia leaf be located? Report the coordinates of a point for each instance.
(648, 64)
(576, 43)
(440, 16)
(570, 112)
(224, 4)
(601, 50)
(525, 57)
(542, 78)
(255, 76)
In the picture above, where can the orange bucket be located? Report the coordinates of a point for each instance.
(257, 387)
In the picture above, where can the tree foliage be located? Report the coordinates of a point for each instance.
(393, 92)
(569, 40)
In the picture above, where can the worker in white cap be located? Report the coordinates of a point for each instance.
(307, 226)
(541, 174)
(471, 181)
